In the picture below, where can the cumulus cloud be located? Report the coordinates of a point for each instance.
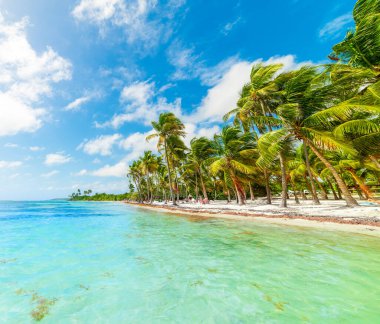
(144, 21)
(50, 174)
(133, 150)
(79, 102)
(36, 148)
(10, 164)
(11, 145)
(141, 105)
(222, 97)
(101, 145)
(26, 78)
(334, 28)
(119, 169)
(57, 158)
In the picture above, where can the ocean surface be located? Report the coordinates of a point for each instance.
(76, 262)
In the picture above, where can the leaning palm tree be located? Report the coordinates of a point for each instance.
(361, 47)
(200, 151)
(168, 126)
(149, 164)
(300, 118)
(232, 152)
(136, 174)
(255, 106)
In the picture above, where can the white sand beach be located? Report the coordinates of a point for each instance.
(330, 214)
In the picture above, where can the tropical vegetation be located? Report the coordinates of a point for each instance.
(314, 131)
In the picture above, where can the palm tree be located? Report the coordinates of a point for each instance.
(136, 174)
(302, 101)
(255, 106)
(149, 164)
(166, 128)
(200, 151)
(361, 47)
(232, 151)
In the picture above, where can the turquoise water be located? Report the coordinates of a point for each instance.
(72, 262)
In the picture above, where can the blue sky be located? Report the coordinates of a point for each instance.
(82, 79)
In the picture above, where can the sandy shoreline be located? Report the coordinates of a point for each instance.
(350, 220)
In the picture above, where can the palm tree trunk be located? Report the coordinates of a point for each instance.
(177, 184)
(228, 196)
(350, 201)
(148, 188)
(313, 190)
(169, 174)
(324, 193)
(252, 196)
(239, 197)
(267, 187)
(203, 186)
(239, 191)
(196, 186)
(358, 191)
(367, 192)
(295, 194)
(332, 189)
(283, 181)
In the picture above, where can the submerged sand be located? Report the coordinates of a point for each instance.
(329, 215)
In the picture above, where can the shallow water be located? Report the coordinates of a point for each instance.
(72, 262)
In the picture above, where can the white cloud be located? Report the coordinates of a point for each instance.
(144, 21)
(189, 65)
(138, 93)
(77, 103)
(10, 164)
(192, 130)
(335, 27)
(119, 169)
(11, 145)
(222, 97)
(57, 158)
(26, 78)
(141, 105)
(185, 61)
(133, 150)
(229, 26)
(81, 173)
(36, 148)
(50, 174)
(101, 145)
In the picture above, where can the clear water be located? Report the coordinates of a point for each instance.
(111, 263)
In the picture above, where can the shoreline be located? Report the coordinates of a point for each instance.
(355, 225)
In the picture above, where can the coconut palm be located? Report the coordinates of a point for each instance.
(232, 151)
(166, 129)
(149, 165)
(255, 106)
(136, 174)
(361, 47)
(200, 151)
(302, 99)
